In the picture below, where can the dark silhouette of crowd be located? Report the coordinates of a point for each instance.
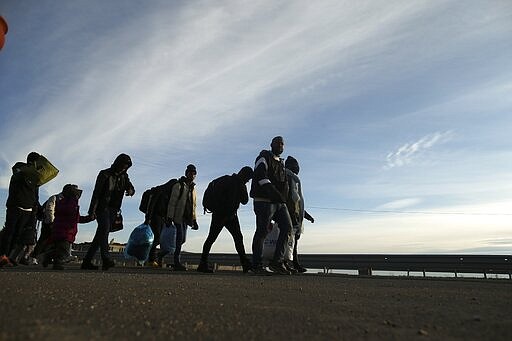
(169, 210)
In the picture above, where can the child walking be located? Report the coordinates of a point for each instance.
(65, 225)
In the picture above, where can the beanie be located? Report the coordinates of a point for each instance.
(191, 168)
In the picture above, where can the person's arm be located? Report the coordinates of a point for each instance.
(129, 189)
(49, 215)
(99, 187)
(308, 217)
(173, 200)
(84, 219)
(244, 196)
(195, 226)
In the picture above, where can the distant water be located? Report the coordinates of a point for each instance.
(415, 274)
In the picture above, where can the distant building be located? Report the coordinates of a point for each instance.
(112, 246)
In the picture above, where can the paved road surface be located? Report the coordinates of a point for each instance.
(141, 303)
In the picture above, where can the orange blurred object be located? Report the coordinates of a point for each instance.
(3, 31)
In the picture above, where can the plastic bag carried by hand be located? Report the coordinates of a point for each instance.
(139, 244)
(168, 239)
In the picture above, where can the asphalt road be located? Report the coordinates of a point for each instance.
(142, 303)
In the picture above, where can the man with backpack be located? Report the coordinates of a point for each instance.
(269, 189)
(154, 204)
(181, 211)
(223, 198)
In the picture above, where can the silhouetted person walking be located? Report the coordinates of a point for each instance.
(269, 189)
(111, 185)
(223, 198)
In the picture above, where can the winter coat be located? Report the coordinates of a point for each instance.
(269, 182)
(67, 217)
(182, 203)
(295, 200)
(23, 192)
(109, 190)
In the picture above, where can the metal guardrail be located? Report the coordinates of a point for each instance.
(365, 264)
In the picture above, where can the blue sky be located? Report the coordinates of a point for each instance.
(388, 106)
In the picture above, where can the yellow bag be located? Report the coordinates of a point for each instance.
(42, 171)
(46, 170)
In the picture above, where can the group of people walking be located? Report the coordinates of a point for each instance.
(275, 189)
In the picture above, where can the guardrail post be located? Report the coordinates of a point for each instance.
(364, 271)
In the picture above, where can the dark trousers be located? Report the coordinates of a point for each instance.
(16, 221)
(156, 225)
(105, 219)
(42, 242)
(233, 226)
(265, 212)
(181, 237)
(60, 251)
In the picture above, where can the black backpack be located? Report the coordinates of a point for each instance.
(145, 200)
(155, 199)
(209, 198)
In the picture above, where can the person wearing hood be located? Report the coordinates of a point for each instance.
(181, 211)
(111, 185)
(22, 206)
(297, 212)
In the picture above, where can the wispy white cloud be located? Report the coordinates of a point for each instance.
(212, 82)
(399, 204)
(408, 152)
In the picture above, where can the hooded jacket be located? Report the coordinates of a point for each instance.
(23, 192)
(111, 185)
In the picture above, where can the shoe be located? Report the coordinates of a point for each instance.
(300, 269)
(87, 265)
(4, 261)
(261, 271)
(278, 268)
(289, 266)
(246, 266)
(204, 267)
(179, 267)
(107, 264)
(153, 264)
(57, 266)
(23, 261)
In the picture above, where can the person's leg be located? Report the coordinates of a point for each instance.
(60, 253)
(282, 217)
(233, 226)
(263, 211)
(215, 228)
(296, 263)
(104, 224)
(43, 237)
(156, 226)
(180, 240)
(15, 221)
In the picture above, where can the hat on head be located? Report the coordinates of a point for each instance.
(32, 157)
(245, 173)
(71, 191)
(292, 164)
(191, 168)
